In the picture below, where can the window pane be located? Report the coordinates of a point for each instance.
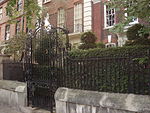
(110, 17)
(78, 18)
(7, 32)
(61, 18)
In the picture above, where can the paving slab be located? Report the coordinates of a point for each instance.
(9, 109)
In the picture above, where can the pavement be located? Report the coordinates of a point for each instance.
(9, 109)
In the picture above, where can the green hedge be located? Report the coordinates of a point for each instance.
(110, 70)
(109, 52)
(108, 75)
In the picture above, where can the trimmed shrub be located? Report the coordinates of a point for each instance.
(88, 39)
(87, 46)
(100, 45)
(140, 41)
(108, 75)
(109, 69)
(107, 52)
(135, 32)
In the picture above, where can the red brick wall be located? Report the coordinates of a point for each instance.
(98, 24)
(4, 22)
(53, 19)
(53, 6)
(98, 20)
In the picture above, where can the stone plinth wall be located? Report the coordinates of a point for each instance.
(81, 101)
(13, 93)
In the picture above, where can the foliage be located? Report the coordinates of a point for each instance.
(140, 41)
(134, 33)
(44, 52)
(16, 45)
(134, 9)
(42, 72)
(30, 11)
(100, 45)
(105, 52)
(88, 39)
(87, 46)
(143, 60)
(48, 46)
(120, 70)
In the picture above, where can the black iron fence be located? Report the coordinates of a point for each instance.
(48, 67)
(124, 74)
(109, 74)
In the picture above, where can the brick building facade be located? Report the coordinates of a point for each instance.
(62, 13)
(86, 15)
(8, 30)
(77, 16)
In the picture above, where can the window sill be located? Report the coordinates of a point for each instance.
(130, 25)
(105, 28)
(133, 23)
(46, 2)
(75, 33)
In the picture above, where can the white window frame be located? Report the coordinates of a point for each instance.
(78, 17)
(136, 21)
(105, 18)
(61, 17)
(1, 13)
(18, 26)
(46, 1)
(7, 32)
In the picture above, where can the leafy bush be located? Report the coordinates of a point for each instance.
(44, 52)
(109, 69)
(87, 46)
(88, 39)
(16, 45)
(135, 32)
(100, 45)
(140, 41)
(46, 72)
(108, 75)
(106, 52)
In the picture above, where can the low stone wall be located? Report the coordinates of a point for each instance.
(13, 93)
(81, 101)
(10, 70)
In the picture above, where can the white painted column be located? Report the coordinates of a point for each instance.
(87, 7)
(121, 40)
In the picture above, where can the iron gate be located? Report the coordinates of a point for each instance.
(46, 50)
